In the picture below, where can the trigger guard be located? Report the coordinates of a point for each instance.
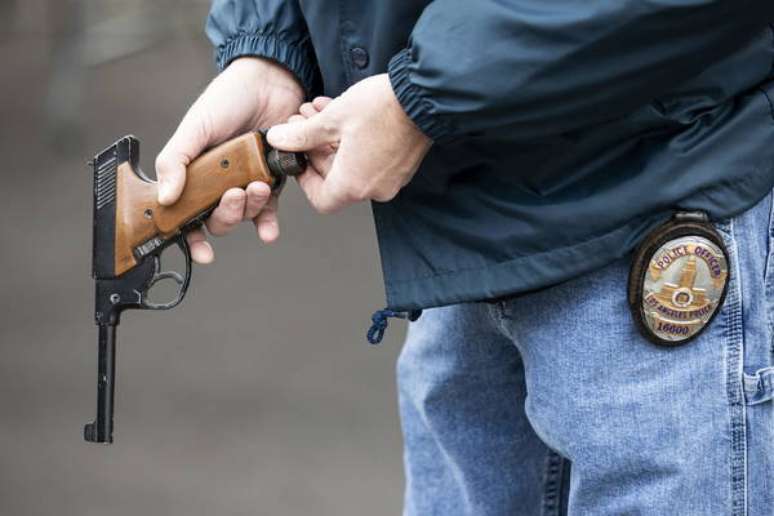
(182, 281)
(173, 275)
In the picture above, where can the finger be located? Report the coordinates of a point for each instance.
(321, 159)
(229, 212)
(258, 194)
(321, 103)
(266, 223)
(341, 186)
(334, 195)
(201, 250)
(311, 183)
(307, 109)
(321, 192)
(308, 134)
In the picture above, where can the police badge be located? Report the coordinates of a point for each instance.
(678, 279)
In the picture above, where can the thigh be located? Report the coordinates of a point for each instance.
(469, 448)
(648, 429)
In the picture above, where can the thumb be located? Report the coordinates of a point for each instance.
(189, 140)
(304, 135)
(170, 170)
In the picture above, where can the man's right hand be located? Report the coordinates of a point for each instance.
(250, 94)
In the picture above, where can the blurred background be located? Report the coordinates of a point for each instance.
(258, 395)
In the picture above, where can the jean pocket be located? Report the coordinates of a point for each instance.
(759, 387)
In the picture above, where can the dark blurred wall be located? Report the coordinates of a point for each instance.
(259, 394)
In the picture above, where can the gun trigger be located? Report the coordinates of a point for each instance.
(182, 280)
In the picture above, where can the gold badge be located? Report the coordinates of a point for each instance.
(678, 280)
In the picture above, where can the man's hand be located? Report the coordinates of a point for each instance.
(250, 94)
(362, 145)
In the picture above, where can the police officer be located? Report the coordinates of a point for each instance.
(578, 197)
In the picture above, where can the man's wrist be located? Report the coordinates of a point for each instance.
(269, 74)
(278, 93)
(402, 117)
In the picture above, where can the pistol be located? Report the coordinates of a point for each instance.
(131, 231)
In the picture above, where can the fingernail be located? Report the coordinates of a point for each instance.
(209, 255)
(205, 257)
(259, 190)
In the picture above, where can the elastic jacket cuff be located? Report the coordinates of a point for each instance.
(413, 99)
(298, 58)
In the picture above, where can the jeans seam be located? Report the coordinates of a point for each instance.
(497, 313)
(768, 276)
(552, 488)
(734, 386)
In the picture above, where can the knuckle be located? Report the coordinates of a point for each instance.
(300, 139)
(257, 196)
(253, 204)
(357, 193)
(382, 197)
(214, 227)
(329, 126)
(349, 192)
(322, 205)
(325, 209)
(223, 220)
(232, 218)
(386, 194)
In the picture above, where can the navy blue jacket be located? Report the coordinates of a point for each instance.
(564, 129)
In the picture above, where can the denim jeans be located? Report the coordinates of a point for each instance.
(552, 403)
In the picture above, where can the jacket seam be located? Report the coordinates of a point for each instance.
(769, 100)
(771, 31)
(343, 43)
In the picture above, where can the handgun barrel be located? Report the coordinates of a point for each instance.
(101, 429)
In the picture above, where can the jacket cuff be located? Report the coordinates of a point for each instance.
(298, 58)
(413, 99)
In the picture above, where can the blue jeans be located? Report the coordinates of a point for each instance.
(552, 403)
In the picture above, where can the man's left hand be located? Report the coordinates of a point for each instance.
(375, 148)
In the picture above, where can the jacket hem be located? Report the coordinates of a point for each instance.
(546, 269)
(517, 276)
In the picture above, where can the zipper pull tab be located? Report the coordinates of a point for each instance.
(380, 321)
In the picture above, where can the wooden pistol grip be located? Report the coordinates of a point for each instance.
(139, 217)
(236, 163)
